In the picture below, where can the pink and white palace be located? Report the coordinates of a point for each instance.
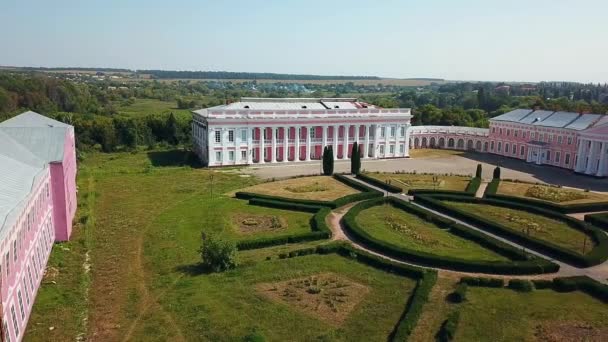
(262, 130)
(37, 205)
(568, 140)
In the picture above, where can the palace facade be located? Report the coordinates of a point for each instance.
(262, 130)
(37, 206)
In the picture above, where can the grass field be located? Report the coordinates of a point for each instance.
(433, 153)
(537, 226)
(408, 181)
(393, 225)
(550, 193)
(143, 232)
(143, 107)
(541, 315)
(322, 188)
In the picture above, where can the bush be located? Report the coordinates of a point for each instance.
(560, 208)
(496, 174)
(599, 220)
(448, 328)
(541, 284)
(483, 282)
(492, 187)
(460, 294)
(413, 310)
(378, 183)
(473, 186)
(478, 172)
(217, 255)
(520, 285)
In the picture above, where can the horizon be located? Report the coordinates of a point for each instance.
(468, 41)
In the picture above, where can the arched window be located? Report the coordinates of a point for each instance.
(499, 146)
(478, 145)
(433, 142)
(461, 143)
(424, 142)
(441, 142)
(451, 142)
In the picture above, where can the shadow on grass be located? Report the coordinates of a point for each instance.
(174, 158)
(194, 270)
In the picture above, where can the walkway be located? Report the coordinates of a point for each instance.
(599, 272)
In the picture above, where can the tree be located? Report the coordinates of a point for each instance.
(217, 255)
(328, 161)
(497, 172)
(355, 160)
(478, 172)
(172, 130)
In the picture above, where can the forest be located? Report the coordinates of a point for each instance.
(110, 115)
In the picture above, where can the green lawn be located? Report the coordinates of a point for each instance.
(550, 193)
(141, 240)
(537, 226)
(143, 107)
(323, 188)
(385, 222)
(408, 181)
(506, 315)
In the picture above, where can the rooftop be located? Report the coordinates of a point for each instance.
(544, 118)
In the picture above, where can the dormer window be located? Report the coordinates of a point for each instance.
(304, 107)
(246, 107)
(336, 106)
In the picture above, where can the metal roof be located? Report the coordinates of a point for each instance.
(514, 115)
(558, 119)
(291, 103)
(584, 122)
(535, 117)
(32, 119)
(545, 118)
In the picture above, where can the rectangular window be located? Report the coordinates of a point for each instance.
(15, 251)
(492, 146)
(312, 133)
(569, 140)
(218, 137)
(548, 155)
(218, 156)
(567, 159)
(508, 132)
(265, 133)
(393, 131)
(231, 135)
(243, 135)
(382, 132)
(231, 156)
(402, 131)
(15, 324)
(27, 293)
(29, 274)
(557, 155)
(559, 139)
(515, 132)
(7, 334)
(402, 148)
(8, 264)
(493, 129)
(391, 149)
(20, 299)
(514, 149)
(243, 155)
(521, 150)
(499, 146)
(506, 148)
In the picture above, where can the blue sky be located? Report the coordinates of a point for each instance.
(511, 40)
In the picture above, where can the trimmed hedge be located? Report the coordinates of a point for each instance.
(596, 256)
(492, 187)
(599, 220)
(521, 285)
(541, 284)
(560, 208)
(411, 315)
(448, 328)
(584, 284)
(319, 227)
(251, 196)
(382, 185)
(473, 186)
(534, 266)
(483, 282)
(460, 294)
(414, 192)
(277, 204)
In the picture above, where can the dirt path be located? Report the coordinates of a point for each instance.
(482, 189)
(333, 221)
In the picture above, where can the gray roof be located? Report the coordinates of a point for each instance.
(43, 136)
(545, 118)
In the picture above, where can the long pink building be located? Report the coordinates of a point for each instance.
(37, 206)
(262, 130)
(574, 141)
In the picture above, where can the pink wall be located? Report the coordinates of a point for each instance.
(63, 178)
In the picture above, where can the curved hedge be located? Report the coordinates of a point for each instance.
(596, 256)
(382, 185)
(599, 220)
(492, 187)
(534, 266)
(319, 227)
(251, 196)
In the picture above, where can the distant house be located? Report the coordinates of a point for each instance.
(37, 206)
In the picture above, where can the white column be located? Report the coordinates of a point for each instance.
(285, 144)
(224, 145)
(335, 148)
(324, 143)
(296, 155)
(210, 147)
(592, 157)
(308, 142)
(345, 148)
(601, 172)
(579, 155)
(406, 143)
(376, 138)
(273, 150)
(262, 130)
(366, 147)
(250, 133)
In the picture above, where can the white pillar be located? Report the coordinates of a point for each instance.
(285, 144)
(376, 138)
(601, 172)
(262, 133)
(273, 150)
(335, 143)
(366, 147)
(308, 142)
(296, 155)
(579, 155)
(249, 145)
(345, 148)
(325, 132)
(591, 159)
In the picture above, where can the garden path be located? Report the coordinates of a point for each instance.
(598, 272)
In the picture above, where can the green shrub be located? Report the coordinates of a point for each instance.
(448, 328)
(496, 174)
(473, 186)
(460, 294)
(478, 172)
(599, 220)
(483, 282)
(380, 184)
(541, 284)
(217, 255)
(413, 310)
(492, 187)
(520, 285)
(560, 208)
